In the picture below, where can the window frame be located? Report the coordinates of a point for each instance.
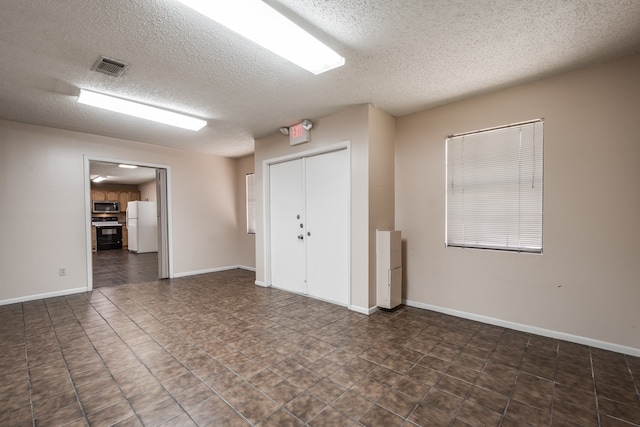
(522, 230)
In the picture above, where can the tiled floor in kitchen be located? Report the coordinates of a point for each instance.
(217, 350)
(119, 266)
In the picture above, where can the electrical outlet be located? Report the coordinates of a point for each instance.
(62, 271)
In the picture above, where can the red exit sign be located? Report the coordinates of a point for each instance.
(298, 134)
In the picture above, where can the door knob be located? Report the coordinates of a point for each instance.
(301, 237)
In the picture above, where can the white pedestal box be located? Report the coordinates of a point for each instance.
(389, 268)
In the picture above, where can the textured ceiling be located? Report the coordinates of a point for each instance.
(117, 175)
(402, 56)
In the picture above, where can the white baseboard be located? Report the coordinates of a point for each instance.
(326, 300)
(43, 296)
(261, 283)
(246, 267)
(529, 329)
(210, 270)
(363, 310)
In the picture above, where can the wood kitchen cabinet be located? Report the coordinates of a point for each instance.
(99, 195)
(125, 237)
(122, 196)
(126, 197)
(94, 240)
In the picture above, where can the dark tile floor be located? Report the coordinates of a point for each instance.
(119, 266)
(217, 350)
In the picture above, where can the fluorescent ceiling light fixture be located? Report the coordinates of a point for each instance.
(99, 178)
(128, 166)
(142, 111)
(260, 23)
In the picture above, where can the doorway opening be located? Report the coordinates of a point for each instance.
(127, 222)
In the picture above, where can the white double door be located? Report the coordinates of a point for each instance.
(309, 211)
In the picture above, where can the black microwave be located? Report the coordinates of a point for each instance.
(105, 207)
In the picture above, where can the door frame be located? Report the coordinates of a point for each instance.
(87, 197)
(266, 206)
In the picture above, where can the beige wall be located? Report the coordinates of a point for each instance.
(148, 191)
(370, 132)
(587, 282)
(382, 129)
(349, 125)
(246, 242)
(42, 190)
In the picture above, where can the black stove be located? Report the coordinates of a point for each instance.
(101, 221)
(108, 232)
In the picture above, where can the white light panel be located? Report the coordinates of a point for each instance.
(142, 111)
(260, 23)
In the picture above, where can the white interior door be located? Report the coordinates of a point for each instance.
(286, 190)
(327, 213)
(309, 207)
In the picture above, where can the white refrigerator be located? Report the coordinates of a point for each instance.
(142, 226)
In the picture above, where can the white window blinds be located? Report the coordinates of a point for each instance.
(251, 204)
(494, 188)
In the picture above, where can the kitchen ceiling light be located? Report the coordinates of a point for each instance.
(128, 166)
(142, 111)
(99, 178)
(260, 23)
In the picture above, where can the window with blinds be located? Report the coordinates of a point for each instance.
(495, 188)
(251, 204)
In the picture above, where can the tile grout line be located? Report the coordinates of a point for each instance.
(595, 388)
(633, 379)
(99, 354)
(515, 382)
(405, 418)
(468, 393)
(219, 395)
(66, 365)
(181, 335)
(137, 357)
(553, 385)
(420, 401)
(424, 395)
(26, 358)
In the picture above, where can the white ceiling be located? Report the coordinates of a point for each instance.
(116, 175)
(402, 56)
